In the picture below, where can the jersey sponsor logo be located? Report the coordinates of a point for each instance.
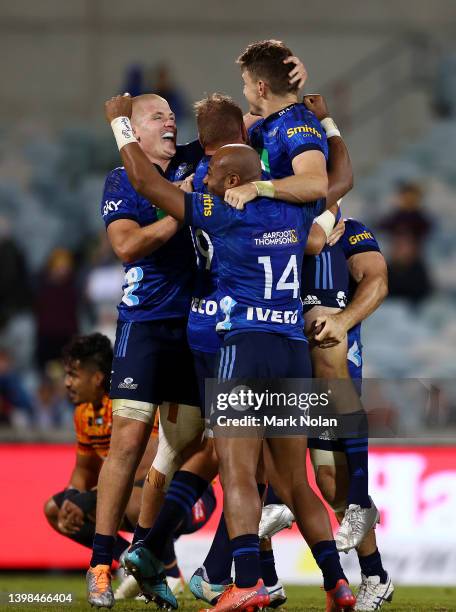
(341, 299)
(111, 206)
(204, 307)
(128, 384)
(285, 110)
(272, 316)
(311, 300)
(355, 238)
(307, 130)
(279, 238)
(208, 204)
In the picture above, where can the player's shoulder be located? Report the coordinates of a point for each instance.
(80, 415)
(353, 226)
(117, 180)
(358, 237)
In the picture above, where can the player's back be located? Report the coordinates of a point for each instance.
(260, 253)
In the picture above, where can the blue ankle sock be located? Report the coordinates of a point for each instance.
(184, 491)
(219, 559)
(140, 533)
(246, 554)
(371, 565)
(327, 558)
(102, 551)
(120, 545)
(268, 570)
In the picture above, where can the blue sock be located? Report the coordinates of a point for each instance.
(271, 497)
(219, 559)
(102, 551)
(246, 554)
(120, 545)
(140, 533)
(327, 558)
(268, 571)
(184, 491)
(356, 452)
(371, 565)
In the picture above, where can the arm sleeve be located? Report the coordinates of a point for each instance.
(358, 239)
(301, 131)
(120, 200)
(84, 446)
(205, 211)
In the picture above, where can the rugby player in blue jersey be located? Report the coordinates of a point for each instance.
(151, 344)
(292, 144)
(250, 281)
(359, 270)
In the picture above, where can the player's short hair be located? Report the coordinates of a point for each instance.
(264, 61)
(219, 119)
(93, 350)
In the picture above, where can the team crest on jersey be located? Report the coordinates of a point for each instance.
(182, 169)
(273, 132)
(273, 239)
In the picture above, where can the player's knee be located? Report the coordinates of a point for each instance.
(51, 511)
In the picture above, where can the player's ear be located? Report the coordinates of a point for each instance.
(98, 378)
(232, 180)
(261, 88)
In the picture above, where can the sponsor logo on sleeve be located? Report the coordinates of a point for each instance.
(128, 384)
(111, 206)
(311, 300)
(306, 130)
(355, 238)
(208, 204)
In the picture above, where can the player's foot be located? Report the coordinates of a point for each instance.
(127, 589)
(177, 585)
(150, 575)
(340, 598)
(372, 593)
(236, 599)
(203, 589)
(99, 590)
(277, 595)
(274, 518)
(356, 523)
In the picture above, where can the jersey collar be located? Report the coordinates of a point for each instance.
(280, 113)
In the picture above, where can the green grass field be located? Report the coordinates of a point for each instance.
(299, 598)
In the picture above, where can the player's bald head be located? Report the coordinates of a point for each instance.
(232, 165)
(148, 103)
(238, 159)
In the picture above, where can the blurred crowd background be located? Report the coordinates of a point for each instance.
(389, 74)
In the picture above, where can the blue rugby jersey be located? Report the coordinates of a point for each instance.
(158, 286)
(282, 136)
(357, 238)
(260, 252)
(201, 332)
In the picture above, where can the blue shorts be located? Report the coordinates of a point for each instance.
(153, 363)
(263, 355)
(204, 368)
(325, 279)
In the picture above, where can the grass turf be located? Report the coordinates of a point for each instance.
(309, 599)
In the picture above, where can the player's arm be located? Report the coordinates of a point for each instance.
(85, 472)
(130, 241)
(340, 170)
(143, 176)
(369, 270)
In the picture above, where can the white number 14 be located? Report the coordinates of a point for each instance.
(283, 283)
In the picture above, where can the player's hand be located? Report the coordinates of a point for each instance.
(317, 104)
(187, 184)
(237, 197)
(328, 330)
(118, 106)
(299, 73)
(337, 233)
(70, 518)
